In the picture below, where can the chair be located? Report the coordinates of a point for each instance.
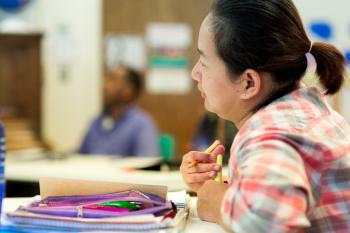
(166, 146)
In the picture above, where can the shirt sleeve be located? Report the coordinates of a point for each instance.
(270, 191)
(146, 143)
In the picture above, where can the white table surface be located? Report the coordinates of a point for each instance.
(193, 225)
(100, 168)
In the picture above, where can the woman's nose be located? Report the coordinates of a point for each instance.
(196, 73)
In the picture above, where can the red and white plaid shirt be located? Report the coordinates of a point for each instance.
(290, 169)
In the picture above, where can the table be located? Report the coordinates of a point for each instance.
(101, 168)
(193, 225)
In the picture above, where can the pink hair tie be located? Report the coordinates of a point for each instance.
(311, 62)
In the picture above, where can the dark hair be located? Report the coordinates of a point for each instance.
(268, 35)
(134, 78)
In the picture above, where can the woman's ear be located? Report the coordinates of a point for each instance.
(251, 82)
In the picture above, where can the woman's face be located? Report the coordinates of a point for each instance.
(220, 93)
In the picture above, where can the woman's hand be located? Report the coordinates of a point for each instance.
(210, 196)
(205, 169)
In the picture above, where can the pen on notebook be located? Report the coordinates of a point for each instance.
(121, 204)
(219, 174)
(208, 150)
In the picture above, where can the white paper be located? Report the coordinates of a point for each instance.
(168, 81)
(128, 50)
(169, 45)
(169, 35)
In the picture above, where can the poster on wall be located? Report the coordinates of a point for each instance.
(168, 58)
(126, 50)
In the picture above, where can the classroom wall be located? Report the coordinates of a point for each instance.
(71, 102)
(71, 80)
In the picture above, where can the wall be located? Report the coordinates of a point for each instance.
(71, 102)
(71, 64)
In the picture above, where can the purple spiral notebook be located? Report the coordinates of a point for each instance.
(89, 211)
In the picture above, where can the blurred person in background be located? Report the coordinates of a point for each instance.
(122, 128)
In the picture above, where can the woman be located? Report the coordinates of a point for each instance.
(289, 167)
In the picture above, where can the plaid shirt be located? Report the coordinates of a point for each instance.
(290, 169)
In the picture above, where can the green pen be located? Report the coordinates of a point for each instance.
(121, 204)
(219, 174)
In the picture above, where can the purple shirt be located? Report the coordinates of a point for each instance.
(132, 134)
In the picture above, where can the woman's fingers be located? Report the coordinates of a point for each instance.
(204, 167)
(200, 177)
(198, 167)
(200, 157)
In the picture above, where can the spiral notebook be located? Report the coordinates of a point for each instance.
(62, 187)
